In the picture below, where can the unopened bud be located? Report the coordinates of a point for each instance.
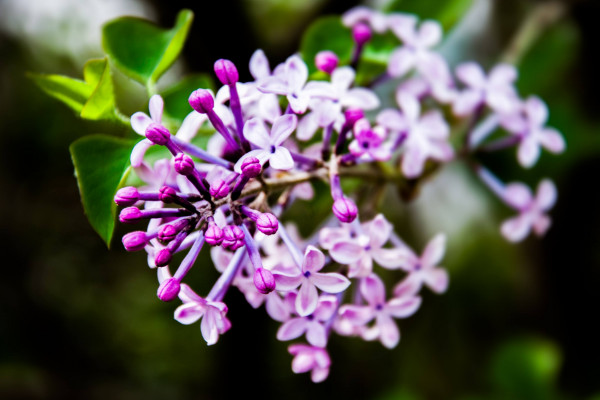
(130, 215)
(213, 235)
(267, 223)
(184, 164)
(226, 72)
(361, 33)
(169, 289)
(264, 281)
(158, 134)
(345, 209)
(233, 237)
(326, 61)
(219, 189)
(163, 258)
(251, 167)
(127, 196)
(167, 194)
(202, 101)
(167, 233)
(135, 241)
(353, 114)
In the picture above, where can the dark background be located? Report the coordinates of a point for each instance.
(79, 321)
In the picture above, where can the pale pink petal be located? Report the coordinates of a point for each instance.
(320, 89)
(541, 225)
(502, 101)
(307, 127)
(331, 282)
(189, 313)
(401, 61)
(276, 308)
(409, 104)
(433, 125)
(546, 194)
(430, 33)
(392, 258)
(307, 299)
(357, 315)
(303, 362)
(373, 290)
(256, 133)
(379, 231)
(139, 123)
(552, 140)
(326, 308)
(403, 307)
(413, 162)
(346, 252)
(471, 74)
(138, 152)
(273, 84)
(319, 374)
(356, 15)
(503, 75)
(361, 268)
(516, 229)
(392, 120)
(517, 195)
(436, 279)
(537, 111)
(286, 283)
(259, 65)
(313, 260)
(297, 73)
(190, 125)
(269, 108)
(403, 26)
(156, 106)
(187, 295)
(466, 102)
(528, 151)
(316, 335)
(434, 252)
(292, 329)
(514, 123)
(329, 236)
(361, 98)
(389, 334)
(208, 327)
(410, 286)
(282, 128)
(281, 159)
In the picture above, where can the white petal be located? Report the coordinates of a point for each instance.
(401, 61)
(546, 194)
(259, 65)
(256, 133)
(139, 123)
(281, 159)
(156, 106)
(434, 252)
(516, 229)
(528, 152)
(296, 73)
(436, 279)
(283, 128)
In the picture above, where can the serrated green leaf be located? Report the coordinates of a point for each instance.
(142, 50)
(101, 165)
(176, 97)
(326, 33)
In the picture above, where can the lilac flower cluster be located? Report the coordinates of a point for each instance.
(223, 196)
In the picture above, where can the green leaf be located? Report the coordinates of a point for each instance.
(326, 33)
(176, 97)
(101, 165)
(142, 50)
(92, 98)
(448, 13)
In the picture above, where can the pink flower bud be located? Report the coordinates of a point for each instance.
(353, 114)
(169, 289)
(184, 164)
(345, 209)
(213, 235)
(267, 223)
(251, 167)
(135, 241)
(233, 237)
(167, 233)
(361, 33)
(158, 134)
(326, 61)
(264, 281)
(163, 258)
(219, 189)
(167, 194)
(202, 101)
(127, 196)
(130, 215)
(226, 72)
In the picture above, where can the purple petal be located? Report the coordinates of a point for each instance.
(342, 78)
(326, 307)
(296, 73)
(307, 127)
(256, 133)
(208, 327)
(541, 225)
(303, 362)
(410, 286)
(552, 140)
(156, 106)
(545, 197)
(409, 104)
(503, 75)
(403, 307)
(379, 230)
(502, 101)
(259, 65)
(316, 334)
(516, 229)
(139, 123)
(430, 33)
(361, 98)
(436, 279)
(373, 290)
(392, 120)
(189, 313)
(329, 236)
(307, 299)
(401, 61)
(292, 329)
(434, 252)
(392, 258)
(282, 128)
(299, 103)
(331, 282)
(389, 335)
(286, 283)
(313, 260)
(433, 125)
(276, 308)
(517, 195)
(528, 152)
(471, 74)
(190, 126)
(346, 252)
(413, 162)
(139, 151)
(466, 102)
(357, 315)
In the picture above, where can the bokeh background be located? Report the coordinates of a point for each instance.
(80, 321)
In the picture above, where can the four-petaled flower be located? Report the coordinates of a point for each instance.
(310, 358)
(312, 325)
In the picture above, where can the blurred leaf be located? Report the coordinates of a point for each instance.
(526, 369)
(448, 13)
(176, 97)
(142, 50)
(326, 33)
(93, 98)
(101, 165)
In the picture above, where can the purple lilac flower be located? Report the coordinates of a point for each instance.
(309, 277)
(310, 358)
(528, 126)
(368, 144)
(269, 144)
(313, 325)
(496, 90)
(385, 329)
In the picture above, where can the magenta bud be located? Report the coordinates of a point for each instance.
(184, 164)
(345, 209)
(166, 233)
(163, 258)
(202, 101)
(267, 223)
(326, 61)
(130, 215)
(213, 235)
(264, 281)
(127, 196)
(219, 189)
(233, 237)
(135, 241)
(226, 72)
(251, 167)
(353, 114)
(169, 289)
(158, 134)
(361, 33)
(167, 194)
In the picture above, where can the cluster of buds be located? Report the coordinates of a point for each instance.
(221, 196)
